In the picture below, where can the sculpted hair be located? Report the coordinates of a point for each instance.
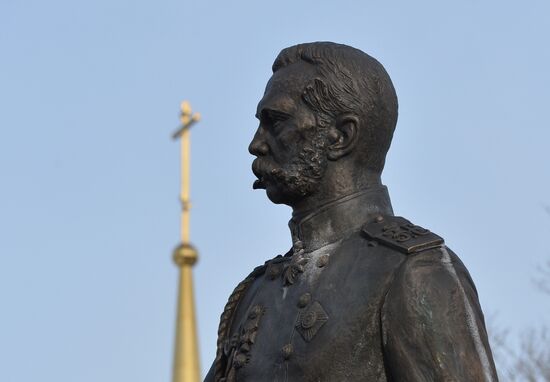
(349, 81)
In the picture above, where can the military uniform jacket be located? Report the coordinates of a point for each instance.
(384, 300)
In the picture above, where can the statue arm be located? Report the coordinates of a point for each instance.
(432, 323)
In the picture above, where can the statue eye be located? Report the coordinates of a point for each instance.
(277, 126)
(273, 120)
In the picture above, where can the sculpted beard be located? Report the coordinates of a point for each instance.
(299, 177)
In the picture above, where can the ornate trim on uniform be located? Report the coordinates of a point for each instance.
(311, 320)
(399, 233)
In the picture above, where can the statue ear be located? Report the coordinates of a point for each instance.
(343, 136)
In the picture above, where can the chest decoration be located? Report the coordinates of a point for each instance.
(238, 348)
(310, 320)
(293, 269)
(289, 267)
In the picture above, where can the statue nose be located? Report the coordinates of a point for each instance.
(258, 147)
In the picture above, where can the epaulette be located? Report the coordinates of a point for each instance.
(400, 234)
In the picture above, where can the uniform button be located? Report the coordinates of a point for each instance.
(304, 300)
(287, 351)
(379, 219)
(322, 261)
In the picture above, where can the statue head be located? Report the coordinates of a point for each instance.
(327, 118)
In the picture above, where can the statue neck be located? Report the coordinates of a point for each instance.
(338, 218)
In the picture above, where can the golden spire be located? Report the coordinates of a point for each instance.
(186, 354)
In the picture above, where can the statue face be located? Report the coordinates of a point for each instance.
(289, 145)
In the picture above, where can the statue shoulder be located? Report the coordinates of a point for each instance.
(231, 307)
(265, 267)
(400, 234)
(255, 274)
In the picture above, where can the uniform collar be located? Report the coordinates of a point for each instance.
(335, 220)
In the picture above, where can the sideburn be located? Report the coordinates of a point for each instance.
(302, 175)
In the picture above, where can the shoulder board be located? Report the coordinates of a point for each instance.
(400, 234)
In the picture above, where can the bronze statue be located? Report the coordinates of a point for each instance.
(363, 295)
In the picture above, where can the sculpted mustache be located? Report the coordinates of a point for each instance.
(263, 171)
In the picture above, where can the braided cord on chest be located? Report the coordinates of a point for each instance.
(226, 319)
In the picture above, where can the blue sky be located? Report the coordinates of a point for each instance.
(90, 93)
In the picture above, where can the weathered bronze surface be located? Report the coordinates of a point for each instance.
(362, 295)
